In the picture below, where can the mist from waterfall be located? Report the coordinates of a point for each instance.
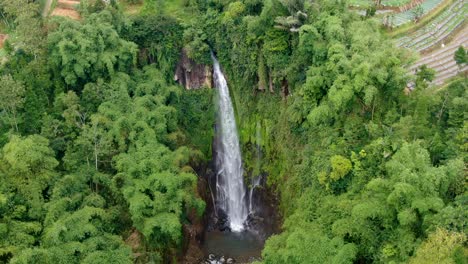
(230, 188)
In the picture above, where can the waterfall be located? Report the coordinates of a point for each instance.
(256, 180)
(230, 187)
(255, 183)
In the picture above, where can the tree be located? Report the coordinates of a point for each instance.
(197, 48)
(29, 165)
(36, 96)
(27, 169)
(297, 16)
(306, 244)
(340, 167)
(123, 141)
(78, 227)
(133, 137)
(159, 38)
(461, 56)
(149, 175)
(81, 53)
(11, 99)
(29, 34)
(276, 50)
(417, 12)
(424, 76)
(153, 6)
(293, 5)
(370, 11)
(196, 118)
(441, 247)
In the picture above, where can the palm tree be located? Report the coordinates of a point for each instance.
(296, 16)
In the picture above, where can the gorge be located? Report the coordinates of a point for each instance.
(235, 230)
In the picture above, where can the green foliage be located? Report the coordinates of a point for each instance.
(363, 172)
(29, 157)
(197, 48)
(36, 97)
(85, 52)
(26, 172)
(275, 49)
(196, 118)
(134, 1)
(153, 6)
(91, 6)
(440, 247)
(29, 35)
(340, 167)
(158, 194)
(301, 247)
(119, 159)
(376, 170)
(159, 38)
(424, 76)
(78, 228)
(370, 11)
(417, 12)
(234, 11)
(198, 37)
(461, 56)
(11, 100)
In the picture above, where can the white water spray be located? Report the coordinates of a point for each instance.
(256, 180)
(255, 183)
(229, 180)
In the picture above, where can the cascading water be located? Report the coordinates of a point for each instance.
(230, 187)
(255, 183)
(235, 207)
(256, 180)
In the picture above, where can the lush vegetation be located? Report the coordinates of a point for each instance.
(365, 173)
(98, 144)
(384, 3)
(95, 146)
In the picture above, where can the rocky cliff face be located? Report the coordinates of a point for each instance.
(195, 229)
(192, 75)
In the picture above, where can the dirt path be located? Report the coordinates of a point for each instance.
(3, 37)
(67, 8)
(46, 10)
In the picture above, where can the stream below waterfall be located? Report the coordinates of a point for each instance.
(243, 247)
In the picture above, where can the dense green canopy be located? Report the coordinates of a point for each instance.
(99, 147)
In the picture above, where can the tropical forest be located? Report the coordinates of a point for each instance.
(233, 131)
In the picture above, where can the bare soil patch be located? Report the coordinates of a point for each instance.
(3, 37)
(68, 4)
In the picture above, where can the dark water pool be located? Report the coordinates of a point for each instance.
(243, 246)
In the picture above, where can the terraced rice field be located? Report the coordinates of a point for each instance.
(442, 61)
(384, 3)
(67, 8)
(407, 16)
(438, 30)
(395, 3)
